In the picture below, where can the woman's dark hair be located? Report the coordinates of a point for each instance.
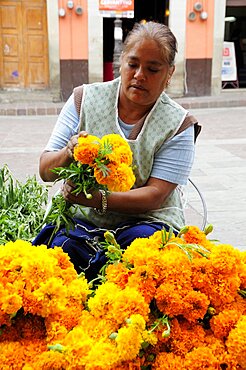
(157, 32)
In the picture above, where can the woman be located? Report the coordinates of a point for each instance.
(157, 129)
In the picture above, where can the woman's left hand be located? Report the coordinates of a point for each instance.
(70, 196)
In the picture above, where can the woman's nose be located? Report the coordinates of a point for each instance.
(139, 73)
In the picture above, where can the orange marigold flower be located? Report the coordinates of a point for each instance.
(167, 361)
(225, 259)
(87, 149)
(185, 336)
(224, 322)
(201, 358)
(49, 360)
(196, 305)
(194, 235)
(128, 301)
(120, 177)
(118, 274)
(169, 299)
(236, 342)
(143, 278)
(239, 305)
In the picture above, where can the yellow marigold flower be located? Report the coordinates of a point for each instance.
(224, 322)
(10, 303)
(194, 235)
(236, 342)
(76, 347)
(149, 337)
(87, 149)
(102, 356)
(127, 302)
(102, 301)
(56, 331)
(121, 149)
(63, 266)
(128, 342)
(52, 294)
(78, 289)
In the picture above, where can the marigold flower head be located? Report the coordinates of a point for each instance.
(87, 149)
(196, 305)
(236, 342)
(144, 279)
(185, 336)
(168, 361)
(120, 177)
(201, 358)
(224, 322)
(118, 273)
(121, 151)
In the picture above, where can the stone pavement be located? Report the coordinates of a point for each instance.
(220, 164)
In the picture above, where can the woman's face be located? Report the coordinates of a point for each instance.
(144, 74)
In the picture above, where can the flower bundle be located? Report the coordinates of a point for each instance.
(166, 302)
(104, 163)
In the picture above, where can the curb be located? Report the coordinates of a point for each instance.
(48, 108)
(36, 109)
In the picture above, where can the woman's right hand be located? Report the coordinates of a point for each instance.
(73, 142)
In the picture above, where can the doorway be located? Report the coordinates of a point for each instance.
(235, 31)
(155, 10)
(23, 44)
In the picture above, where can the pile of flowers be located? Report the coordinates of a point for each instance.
(166, 302)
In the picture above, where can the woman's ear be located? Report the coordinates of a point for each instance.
(171, 71)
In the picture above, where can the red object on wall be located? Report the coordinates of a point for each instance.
(108, 74)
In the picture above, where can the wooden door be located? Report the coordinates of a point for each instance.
(23, 44)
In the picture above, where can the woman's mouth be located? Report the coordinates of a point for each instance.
(138, 87)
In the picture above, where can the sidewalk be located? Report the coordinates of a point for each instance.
(42, 103)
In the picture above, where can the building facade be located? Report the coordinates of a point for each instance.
(60, 44)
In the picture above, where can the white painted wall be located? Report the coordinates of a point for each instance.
(53, 47)
(177, 24)
(95, 42)
(219, 29)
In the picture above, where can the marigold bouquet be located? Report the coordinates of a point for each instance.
(166, 302)
(104, 163)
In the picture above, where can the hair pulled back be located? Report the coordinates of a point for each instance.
(157, 32)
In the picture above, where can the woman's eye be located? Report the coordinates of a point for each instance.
(132, 65)
(153, 70)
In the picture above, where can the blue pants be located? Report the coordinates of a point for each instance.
(83, 243)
